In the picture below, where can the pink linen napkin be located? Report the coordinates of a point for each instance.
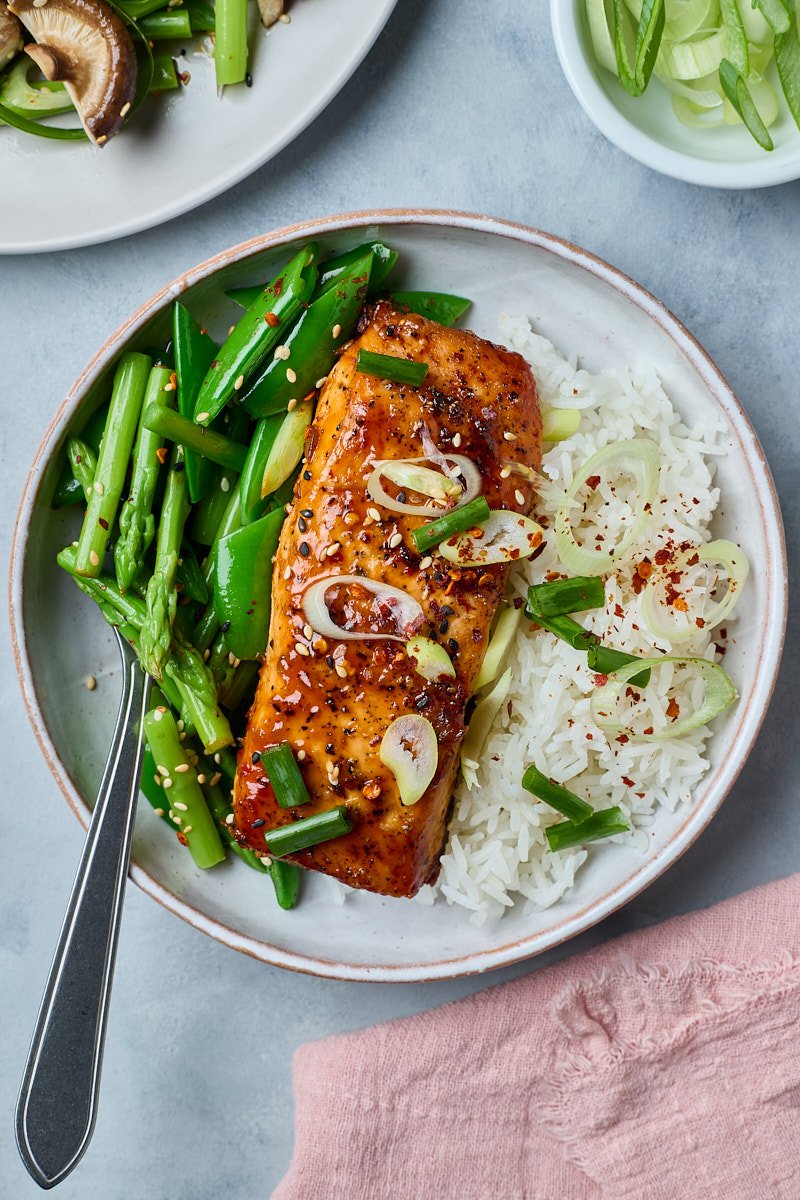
(661, 1066)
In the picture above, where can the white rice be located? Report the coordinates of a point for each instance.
(497, 853)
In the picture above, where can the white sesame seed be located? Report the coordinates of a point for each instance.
(94, 558)
(291, 375)
(182, 768)
(224, 484)
(509, 436)
(158, 714)
(159, 812)
(231, 329)
(214, 780)
(162, 770)
(179, 724)
(337, 329)
(425, 562)
(231, 658)
(126, 108)
(373, 512)
(169, 387)
(285, 18)
(395, 540)
(301, 649)
(519, 497)
(206, 655)
(321, 382)
(179, 806)
(167, 783)
(238, 382)
(188, 828)
(506, 471)
(229, 819)
(301, 755)
(334, 548)
(171, 815)
(203, 416)
(457, 440)
(91, 683)
(201, 779)
(308, 631)
(217, 758)
(341, 670)
(292, 405)
(281, 352)
(287, 572)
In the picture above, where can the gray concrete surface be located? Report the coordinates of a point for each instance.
(452, 109)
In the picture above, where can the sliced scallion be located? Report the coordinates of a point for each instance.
(284, 776)
(558, 797)
(565, 628)
(719, 694)
(457, 521)
(787, 60)
(777, 13)
(649, 31)
(603, 660)
(558, 424)
(310, 831)
(387, 366)
(737, 91)
(602, 824)
(564, 596)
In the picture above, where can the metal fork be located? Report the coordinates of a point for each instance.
(57, 1104)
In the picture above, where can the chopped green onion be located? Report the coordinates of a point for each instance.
(719, 695)
(558, 797)
(437, 306)
(564, 596)
(430, 660)
(737, 91)
(777, 13)
(386, 366)
(558, 424)
(505, 628)
(649, 32)
(604, 660)
(568, 630)
(284, 776)
(169, 24)
(212, 445)
(736, 49)
(602, 824)
(310, 831)
(787, 60)
(457, 521)
(503, 537)
(410, 750)
(482, 720)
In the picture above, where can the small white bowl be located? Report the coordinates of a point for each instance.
(646, 128)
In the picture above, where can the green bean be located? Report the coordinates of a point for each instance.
(83, 463)
(206, 442)
(162, 597)
(130, 381)
(286, 879)
(165, 74)
(137, 525)
(186, 799)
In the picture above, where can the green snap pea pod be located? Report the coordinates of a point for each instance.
(162, 598)
(239, 688)
(319, 331)
(171, 23)
(67, 489)
(83, 462)
(211, 511)
(137, 524)
(129, 386)
(190, 577)
(194, 354)
(251, 501)
(221, 810)
(198, 830)
(286, 879)
(207, 443)
(165, 74)
(437, 306)
(201, 16)
(242, 581)
(383, 259)
(262, 327)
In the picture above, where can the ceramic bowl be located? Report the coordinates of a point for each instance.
(646, 128)
(582, 305)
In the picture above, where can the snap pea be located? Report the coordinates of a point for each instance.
(171, 23)
(137, 524)
(242, 582)
(211, 510)
(383, 259)
(262, 327)
(319, 331)
(437, 306)
(251, 502)
(194, 353)
(130, 381)
(162, 598)
(190, 577)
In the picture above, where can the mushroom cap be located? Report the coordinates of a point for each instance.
(271, 11)
(11, 39)
(86, 46)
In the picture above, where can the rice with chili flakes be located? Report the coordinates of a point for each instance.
(497, 854)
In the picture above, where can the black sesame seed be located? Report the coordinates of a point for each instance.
(179, 466)
(422, 702)
(453, 645)
(444, 626)
(446, 610)
(329, 661)
(306, 474)
(256, 756)
(302, 525)
(258, 823)
(248, 80)
(304, 549)
(225, 626)
(401, 497)
(307, 512)
(329, 748)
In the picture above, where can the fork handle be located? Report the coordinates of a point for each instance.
(56, 1109)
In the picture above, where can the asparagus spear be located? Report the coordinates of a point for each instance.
(83, 464)
(130, 381)
(137, 524)
(197, 827)
(162, 597)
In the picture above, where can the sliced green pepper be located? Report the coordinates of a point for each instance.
(312, 343)
(242, 581)
(437, 306)
(263, 326)
(194, 354)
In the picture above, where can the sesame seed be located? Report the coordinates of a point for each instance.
(292, 405)
(201, 779)
(506, 471)
(321, 382)
(519, 497)
(337, 329)
(291, 375)
(224, 484)
(167, 783)
(231, 329)
(285, 18)
(457, 440)
(304, 549)
(126, 108)
(287, 572)
(179, 724)
(159, 812)
(182, 768)
(425, 562)
(373, 512)
(308, 631)
(188, 828)
(301, 649)
(231, 658)
(395, 540)
(508, 436)
(341, 670)
(169, 387)
(206, 655)
(94, 558)
(203, 416)
(350, 518)
(179, 806)
(229, 819)
(281, 352)
(334, 548)
(238, 382)
(158, 714)
(301, 755)
(162, 770)
(98, 487)
(217, 758)
(214, 780)
(91, 683)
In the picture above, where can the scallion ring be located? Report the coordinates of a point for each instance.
(722, 552)
(392, 602)
(504, 537)
(430, 660)
(410, 475)
(411, 752)
(720, 694)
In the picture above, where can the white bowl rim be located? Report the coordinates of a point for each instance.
(750, 714)
(648, 150)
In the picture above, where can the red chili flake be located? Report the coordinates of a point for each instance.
(102, 522)
(632, 695)
(619, 611)
(723, 633)
(161, 454)
(662, 556)
(645, 568)
(694, 560)
(593, 481)
(637, 583)
(673, 709)
(173, 378)
(628, 782)
(181, 838)
(272, 319)
(648, 731)
(680, 604)
(277, 287)
(600, 680)
(719, 649)
(590, 737)
(699, 622)
(623, 738)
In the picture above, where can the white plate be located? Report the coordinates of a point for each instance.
(184, 148)
(580, 304)
(646, 128)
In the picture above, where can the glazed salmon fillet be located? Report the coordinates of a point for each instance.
(333, 700)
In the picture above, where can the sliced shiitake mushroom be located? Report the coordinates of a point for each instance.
(11, 39)
(270, 11)
(87, 47)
